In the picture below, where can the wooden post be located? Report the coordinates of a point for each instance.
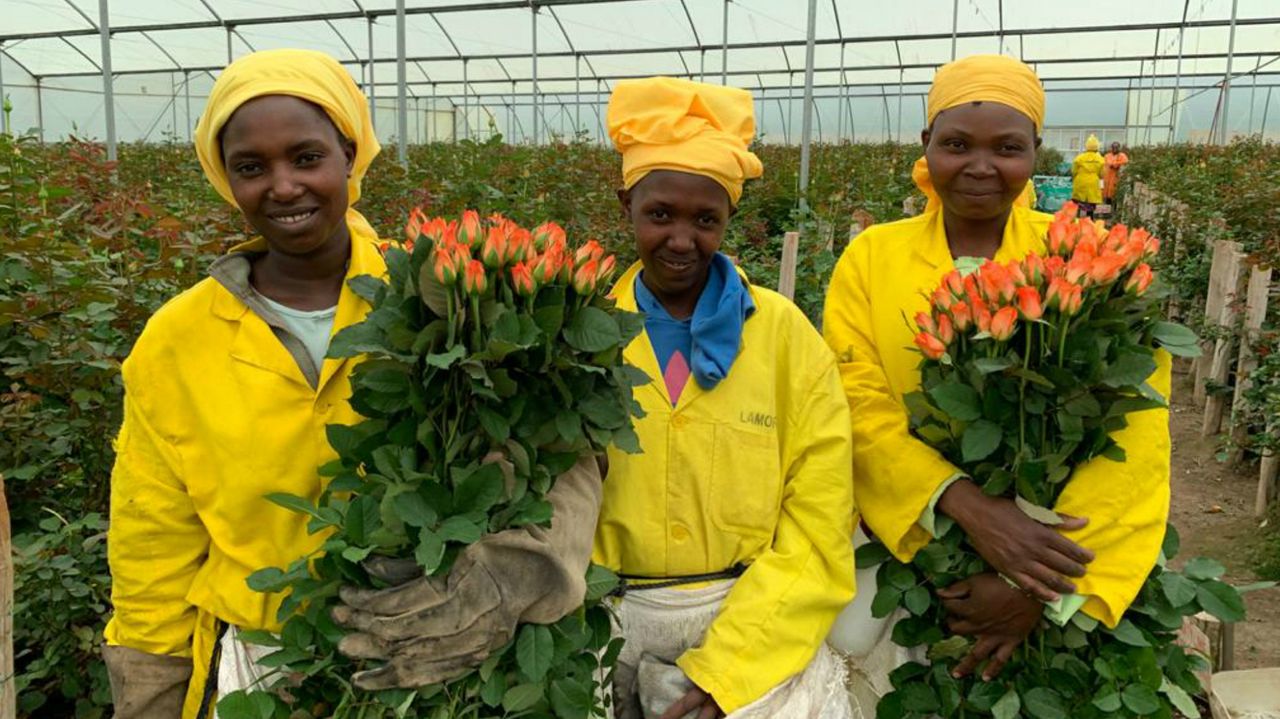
(8, 686)
(1224, 278)
(1220, 367)
(1254, 314)
(787, 273)
(1267, 477)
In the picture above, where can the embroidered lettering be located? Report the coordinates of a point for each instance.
(759, 419)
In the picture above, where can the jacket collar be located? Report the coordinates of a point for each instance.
(1020, 239)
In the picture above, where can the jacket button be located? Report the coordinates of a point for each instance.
(679, 533)
(679, 421)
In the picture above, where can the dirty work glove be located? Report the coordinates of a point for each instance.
(427, 630)
(146, 686)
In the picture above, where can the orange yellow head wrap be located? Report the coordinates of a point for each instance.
(306, 74)
(663, 123)
(982, 78)
(1092, 144)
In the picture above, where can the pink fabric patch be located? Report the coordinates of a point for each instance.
(676, 376)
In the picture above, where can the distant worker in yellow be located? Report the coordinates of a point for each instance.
(1086, 174)
(1116, 160)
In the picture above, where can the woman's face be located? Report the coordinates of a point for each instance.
(288, 167)
(980, 157)
(679, 220)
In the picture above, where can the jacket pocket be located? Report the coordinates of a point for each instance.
(746, 483)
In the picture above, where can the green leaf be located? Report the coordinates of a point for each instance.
(899, 575)
(1221, 600)
(980, 439)
(885, 601)
(571, 697)
(1107, 699)
(445, 360)
(987, 365)
(521, 697)
(1140, 699)
(919, 697)
(960, 401)
(494, 424)
(294, 503)
(1176, 339)
(269, 579)
(460, 529)
(1083, 405)
(1127, 632)
(1177, 589)
(1180, 699)
(1172, 542)
(984, 695)
(592, 330)
(600, 581)
(950, 648)
(1043, 515)
(569, 424)
(246, 705)
(1008, 706)
(480, 490)
(434, 295)
(1129, 369)
(534, 649)
(1044, 703)
(1254, 586)
(871, 554)
(1204, 568)
(430, 551)
(917, 600)
(413, 510)
(355, 555)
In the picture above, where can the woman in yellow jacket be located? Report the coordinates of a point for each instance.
(1086, 174)
(985, 114)
(732, 528)
(227, 394)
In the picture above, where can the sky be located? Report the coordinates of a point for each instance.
(860, 93)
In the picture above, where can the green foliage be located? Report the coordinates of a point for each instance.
(473, 405)
(1231, 192)
(61, 589)
(1047, 160)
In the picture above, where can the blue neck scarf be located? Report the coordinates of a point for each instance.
(716, 325)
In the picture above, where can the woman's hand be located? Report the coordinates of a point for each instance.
(1034, 556)
(997, 615)
(694, 700)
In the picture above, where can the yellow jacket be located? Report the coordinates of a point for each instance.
(755, 470)
(1086, 173)
(883, 278)
(217, 414)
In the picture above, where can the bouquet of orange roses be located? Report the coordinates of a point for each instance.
(1028, 369)
(485, 340)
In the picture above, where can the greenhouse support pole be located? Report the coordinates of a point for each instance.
(577, 93)
(373, 88)
(1151, 106)
(186, 83)
(955, 25)
(724, 46)
(39, 111)
(898, 136)
(1265, 108)
(806, 122)
(108, 96)
(402, 93)
(534, 8)
(1177, 75)
(840, 98)
(702, 66)
(229, 51)
(466, 104)
(1253, 92)
(173, 104)
(4, 116)
(1226, 80)
(431, 118)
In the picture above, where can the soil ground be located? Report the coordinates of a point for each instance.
(1212, 508)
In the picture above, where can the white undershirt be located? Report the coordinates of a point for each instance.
(311, 327)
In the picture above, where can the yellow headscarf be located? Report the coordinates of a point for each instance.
(1092, 144)
(306, 74)
(982, 78)
(663, 123)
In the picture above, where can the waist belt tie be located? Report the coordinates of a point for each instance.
(639, 583)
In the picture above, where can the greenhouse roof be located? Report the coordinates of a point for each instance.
(482, 52)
